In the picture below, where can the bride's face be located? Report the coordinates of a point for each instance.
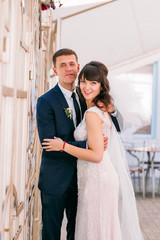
(89, 89)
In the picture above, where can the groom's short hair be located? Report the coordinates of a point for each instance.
(64, 51)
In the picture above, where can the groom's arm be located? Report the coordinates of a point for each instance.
(46, 126)
(117, 119)
(45, 120)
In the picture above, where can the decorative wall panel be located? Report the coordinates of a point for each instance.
(20, 59)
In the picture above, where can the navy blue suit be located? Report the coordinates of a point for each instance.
(58, 177)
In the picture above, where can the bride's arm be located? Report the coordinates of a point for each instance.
(94, 138)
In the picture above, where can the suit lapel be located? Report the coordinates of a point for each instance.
(63, 102)
(61, 97)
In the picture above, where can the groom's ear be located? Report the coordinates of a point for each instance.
(78, 67)
(55, 72)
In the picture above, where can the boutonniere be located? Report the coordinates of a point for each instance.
(68, 112)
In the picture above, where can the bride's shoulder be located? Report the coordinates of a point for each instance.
(102, 114)
(96, 110)
(93, 109)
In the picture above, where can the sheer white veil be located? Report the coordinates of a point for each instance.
(127, 204)
(129, 105)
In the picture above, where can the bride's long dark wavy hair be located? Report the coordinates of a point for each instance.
(97, 71)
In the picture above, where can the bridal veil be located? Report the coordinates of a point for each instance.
(127, 204)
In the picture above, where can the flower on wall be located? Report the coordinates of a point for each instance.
(50, 4)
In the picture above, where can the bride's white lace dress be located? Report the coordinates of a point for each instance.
(99, 193)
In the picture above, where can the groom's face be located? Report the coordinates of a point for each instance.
(66, 69)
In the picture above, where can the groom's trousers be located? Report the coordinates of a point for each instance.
(53, 207)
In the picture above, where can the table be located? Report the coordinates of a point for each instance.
(151, 152)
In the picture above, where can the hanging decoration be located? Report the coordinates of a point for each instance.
(50, 4)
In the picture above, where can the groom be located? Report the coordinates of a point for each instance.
(58, 113)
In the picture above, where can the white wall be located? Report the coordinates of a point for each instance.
(121, 33)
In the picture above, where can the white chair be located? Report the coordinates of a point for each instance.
(135, 156)
(153, 163)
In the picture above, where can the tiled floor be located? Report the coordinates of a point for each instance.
(149, 216)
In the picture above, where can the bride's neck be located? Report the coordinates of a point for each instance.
(89, 104)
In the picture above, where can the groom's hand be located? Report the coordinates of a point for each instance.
(105, 142)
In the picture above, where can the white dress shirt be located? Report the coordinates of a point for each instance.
(67, 94)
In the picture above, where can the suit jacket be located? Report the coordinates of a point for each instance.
(117, 120)
(56, 168)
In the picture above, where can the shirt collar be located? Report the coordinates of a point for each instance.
(65, 91)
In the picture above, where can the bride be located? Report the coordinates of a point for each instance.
(106, 201)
